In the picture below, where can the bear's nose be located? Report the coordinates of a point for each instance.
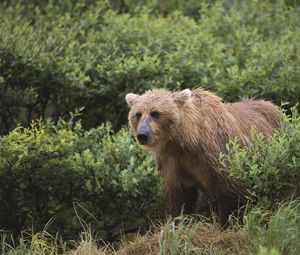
(142, 138)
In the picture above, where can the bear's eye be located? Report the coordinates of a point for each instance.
(155, 114)
(138, 115)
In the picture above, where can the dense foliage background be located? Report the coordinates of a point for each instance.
(62, 55)
(59, 56)
(74, 180)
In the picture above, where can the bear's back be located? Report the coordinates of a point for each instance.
(263, 115)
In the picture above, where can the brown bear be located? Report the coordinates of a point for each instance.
(186, 131)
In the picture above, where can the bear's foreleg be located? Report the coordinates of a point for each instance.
(181, 200)
(230, 204)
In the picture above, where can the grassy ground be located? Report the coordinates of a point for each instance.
(264, 233)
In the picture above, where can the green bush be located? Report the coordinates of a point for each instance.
(75, 179)
(56, 58)
(188, 7)
(270, 170)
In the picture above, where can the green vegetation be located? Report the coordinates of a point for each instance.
(75, 178)
(64, 178)
(280, 230)
(58, 57)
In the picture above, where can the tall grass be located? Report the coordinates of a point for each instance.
(280, 230)
(264, 233)
(41, 243)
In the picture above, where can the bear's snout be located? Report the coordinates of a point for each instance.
(144, 132)
(142, 138)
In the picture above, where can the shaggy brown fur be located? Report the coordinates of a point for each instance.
(186, 131)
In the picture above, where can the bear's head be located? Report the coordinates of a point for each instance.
(154, 115)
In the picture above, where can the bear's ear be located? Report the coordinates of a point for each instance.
(131, 99)
(182, 96)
